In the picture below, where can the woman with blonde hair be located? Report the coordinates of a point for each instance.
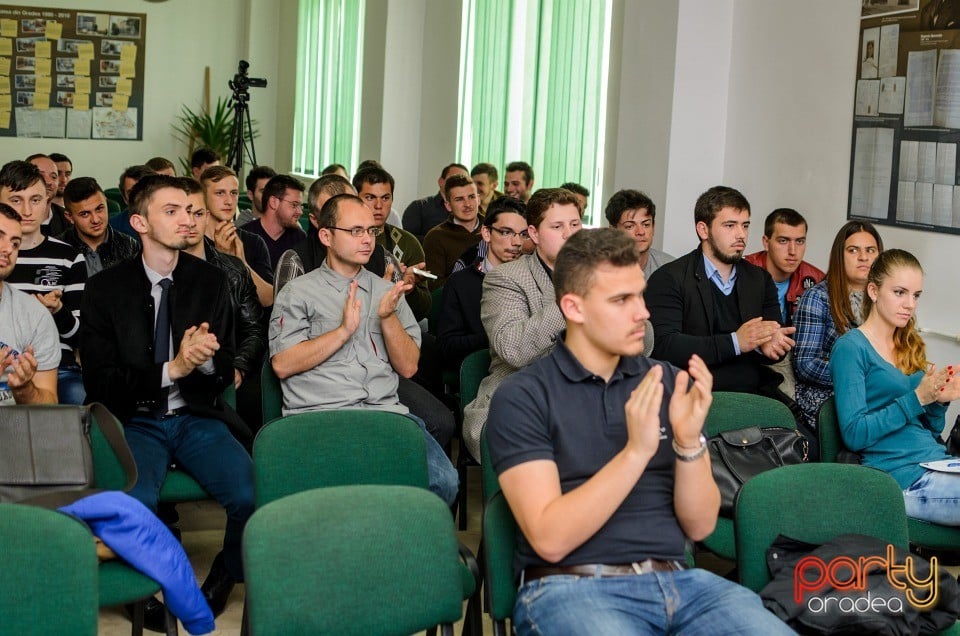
(891, 401)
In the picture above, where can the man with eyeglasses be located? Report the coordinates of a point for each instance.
(461, 330)
(445, 243)
(341, 336)
(279, 227)
(633, 213)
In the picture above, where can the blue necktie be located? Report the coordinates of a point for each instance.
(161, 336)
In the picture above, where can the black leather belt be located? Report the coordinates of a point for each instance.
(602, 569)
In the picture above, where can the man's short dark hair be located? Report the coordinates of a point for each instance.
(260, 172)
(450, 166)
(277, 187)
(136, 173)
(37, 155)
(330, 212)
(584, 252)
(60, 158)
(203, 156)
(190, 185)
(332, 184)
(80, 189)
(368, 163)
(217, 174)
(504, 205)
(787, 216)
(160, 163)
(372, 176)
(624, 200)
(455, 181)
(485, 168)
(521, 166)
(542, 199)
(19, 175)
(576, 188)
(714, 200)
(332, 169)
(145, 188)
(10, 213)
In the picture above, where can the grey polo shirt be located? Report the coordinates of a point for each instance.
(359, 374)
(25, 322)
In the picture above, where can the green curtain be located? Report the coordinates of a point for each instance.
(533, 87)
(326, 127)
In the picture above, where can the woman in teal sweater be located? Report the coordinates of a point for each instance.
(890, 401)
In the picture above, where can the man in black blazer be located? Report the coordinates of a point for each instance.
(713, 303)
(165, 386)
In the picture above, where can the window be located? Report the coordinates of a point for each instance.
(327, 117)
(533, 87)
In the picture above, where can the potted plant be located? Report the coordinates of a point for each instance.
(213, 130)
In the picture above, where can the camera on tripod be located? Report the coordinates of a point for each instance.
(242, 81)
(242, 129)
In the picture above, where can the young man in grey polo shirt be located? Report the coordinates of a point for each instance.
(600, 455)
(340, 335)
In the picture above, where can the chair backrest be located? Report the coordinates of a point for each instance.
(499, 544)
(271, 393)
(433, 320)
(813, 503)
(352, 560)
(337, 448)
(113, 208)
(828, 431)
(113, 465)
(48, 573)
(474, 368)
(489, 483)
(731, 411)
(113, 194)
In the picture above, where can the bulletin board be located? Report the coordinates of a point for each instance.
(71, 74)
(906, 119)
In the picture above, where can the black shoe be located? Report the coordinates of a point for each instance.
(218, 585)
(154, 615)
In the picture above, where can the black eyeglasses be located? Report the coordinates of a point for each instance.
(293, 204)
(358, 232)
(507, 233)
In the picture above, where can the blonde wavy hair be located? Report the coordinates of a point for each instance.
(910, 350)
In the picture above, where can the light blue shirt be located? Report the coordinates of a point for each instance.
(782, 297)
(725, 287)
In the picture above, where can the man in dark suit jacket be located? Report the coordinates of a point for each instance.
(169, 401)
(718, 306)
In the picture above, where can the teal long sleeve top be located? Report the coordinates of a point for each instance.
(879, 413)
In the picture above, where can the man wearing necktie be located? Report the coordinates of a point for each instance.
(161, 347)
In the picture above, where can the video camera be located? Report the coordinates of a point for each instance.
(241, 81)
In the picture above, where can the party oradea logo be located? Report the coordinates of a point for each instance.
(813, 576)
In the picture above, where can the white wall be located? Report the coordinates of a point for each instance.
(182, 38)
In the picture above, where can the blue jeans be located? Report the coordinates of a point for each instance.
(205, 449)
(935, 497)
(70, 386)
(441, 473)
(682, 602)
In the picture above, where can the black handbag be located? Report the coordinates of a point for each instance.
(46, 451)
(738, 455)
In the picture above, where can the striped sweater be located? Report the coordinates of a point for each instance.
(55, 264)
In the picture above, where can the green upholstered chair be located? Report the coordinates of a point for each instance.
(271, 393)
(113, 208)
(244, 202)
(114, 469)
(922, 533)
(337, 448)
(113, 194)
(728, 412)
(48, 573)
(472, 370)
(368, 559)
(837, 498)
(348, 447)
(499, 543)
(433, 319)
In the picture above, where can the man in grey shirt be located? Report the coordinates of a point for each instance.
(633, 213)
(340, 335)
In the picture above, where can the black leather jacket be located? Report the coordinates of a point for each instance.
(117, 248)
(251, 334)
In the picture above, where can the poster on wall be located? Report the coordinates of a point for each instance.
(71, 74)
